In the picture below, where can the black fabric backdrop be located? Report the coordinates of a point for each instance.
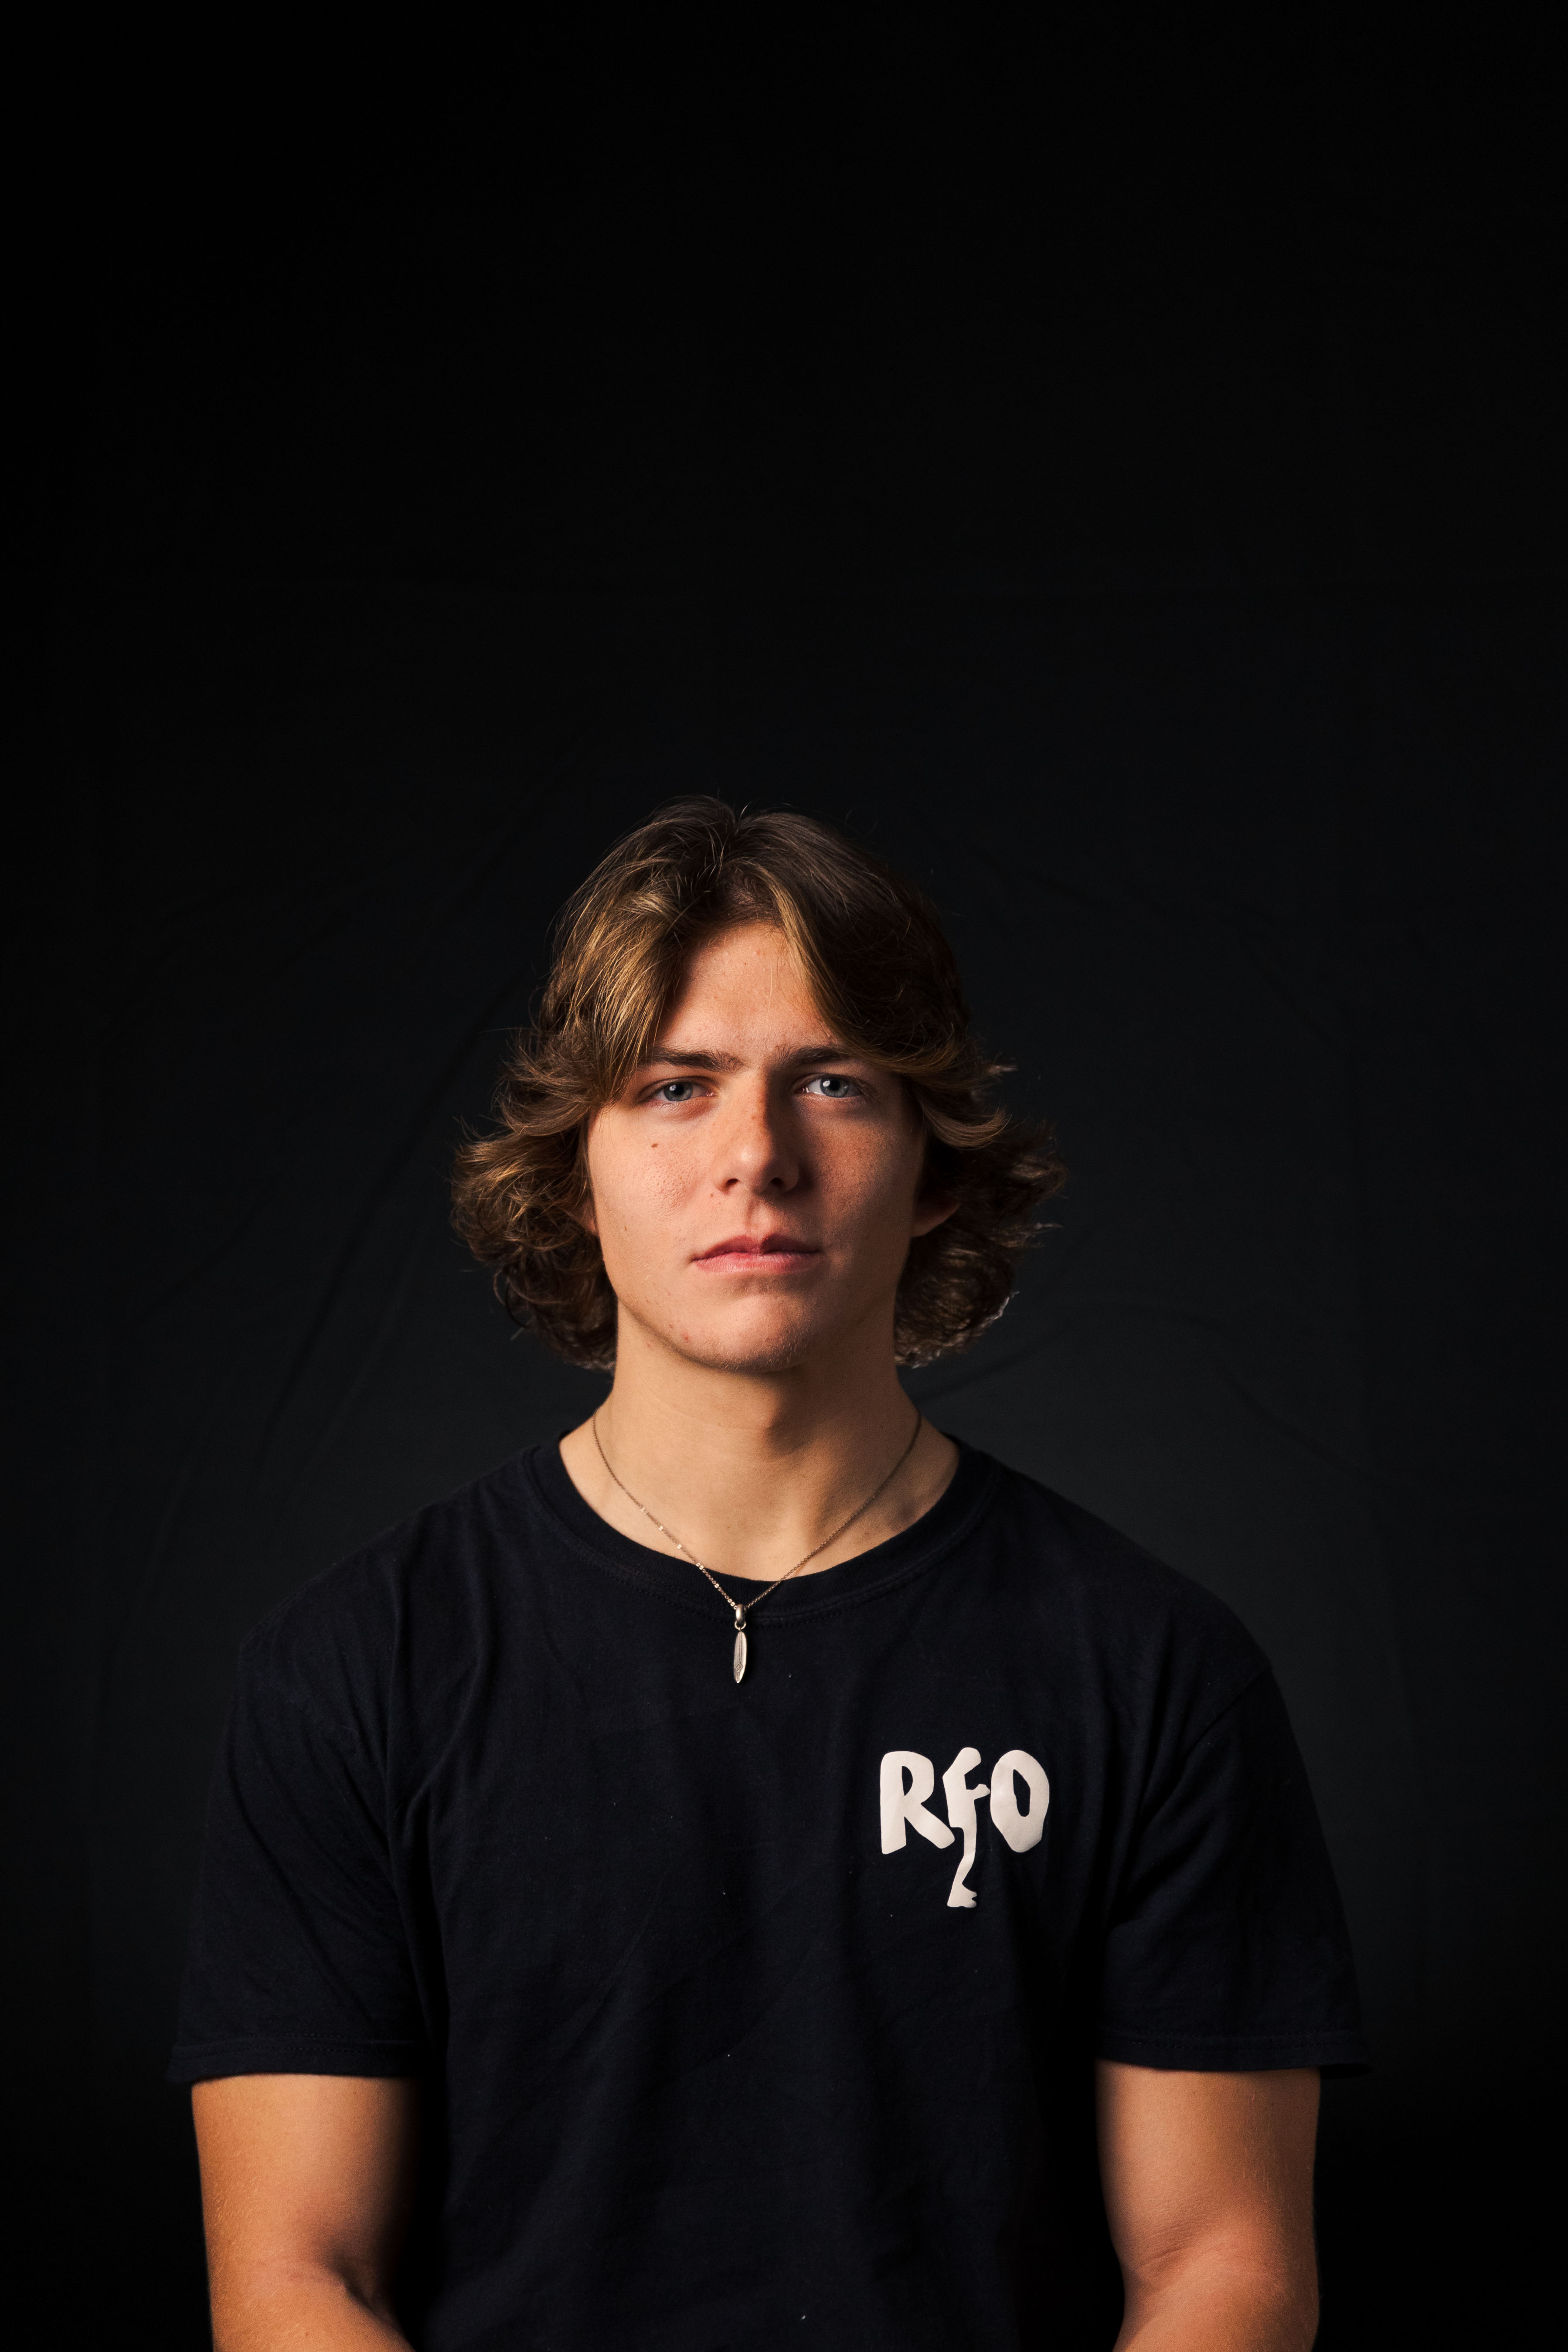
(1142, 522)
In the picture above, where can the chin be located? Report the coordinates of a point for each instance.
(756, 1352)
(761, 1344)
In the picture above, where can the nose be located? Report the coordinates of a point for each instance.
(758, 1147)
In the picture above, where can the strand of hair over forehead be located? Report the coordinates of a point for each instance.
(658, 886)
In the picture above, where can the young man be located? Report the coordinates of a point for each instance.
(758, 1873)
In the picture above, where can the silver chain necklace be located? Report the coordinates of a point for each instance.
(743, 1609)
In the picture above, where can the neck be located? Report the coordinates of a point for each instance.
(751, 1470)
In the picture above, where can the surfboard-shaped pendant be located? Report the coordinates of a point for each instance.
(740, 1650)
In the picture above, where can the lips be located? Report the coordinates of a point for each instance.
(759, 1253)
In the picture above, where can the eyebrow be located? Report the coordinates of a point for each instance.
(679, 1057)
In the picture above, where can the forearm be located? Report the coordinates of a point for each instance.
(262, 2310)
(1220, 2308)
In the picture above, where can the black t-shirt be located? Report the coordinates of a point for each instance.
(761, 2015)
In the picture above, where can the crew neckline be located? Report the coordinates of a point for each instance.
(869, 1573)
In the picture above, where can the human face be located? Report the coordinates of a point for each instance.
(754, 1187)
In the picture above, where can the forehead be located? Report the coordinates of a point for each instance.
(747, 981)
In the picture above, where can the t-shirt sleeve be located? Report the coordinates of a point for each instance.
(298, 1961)
(1227, 1947)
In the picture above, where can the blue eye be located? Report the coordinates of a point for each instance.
(675, 1090)
(832, 1087)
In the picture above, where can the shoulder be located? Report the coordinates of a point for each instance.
(425, 1588)
(1154, 1635)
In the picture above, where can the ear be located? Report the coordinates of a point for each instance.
(933, 1204)
(583, 1211)
(931, 1209)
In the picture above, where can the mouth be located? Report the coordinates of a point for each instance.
(769, 1254)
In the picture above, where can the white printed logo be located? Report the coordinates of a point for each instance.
(904, 1806)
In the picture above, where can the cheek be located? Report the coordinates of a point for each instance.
(878, 1184)
(636, 1184)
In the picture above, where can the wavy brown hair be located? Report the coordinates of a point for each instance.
(883, 976)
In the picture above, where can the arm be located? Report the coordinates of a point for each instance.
(1208, 2190)
(307, 2181)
